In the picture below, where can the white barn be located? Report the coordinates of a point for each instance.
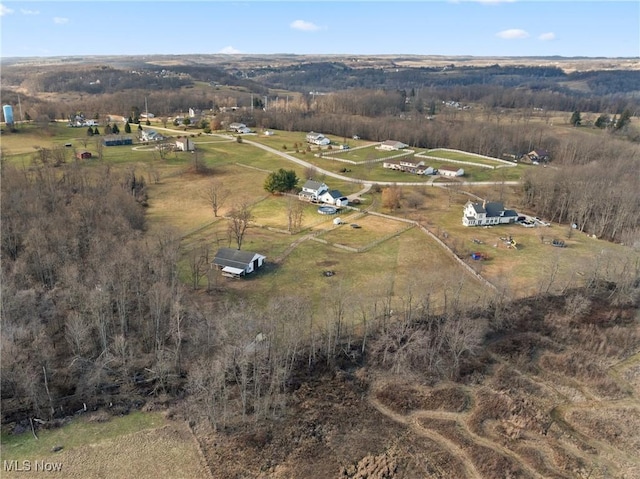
(391, 145)
(236, 263)
(450, 171)
(185, 144)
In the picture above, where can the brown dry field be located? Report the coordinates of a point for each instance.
(506, 424)
(170, 451)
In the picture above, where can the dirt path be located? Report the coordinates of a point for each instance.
(444, 443)
(412, 420)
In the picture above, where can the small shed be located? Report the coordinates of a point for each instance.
(235, 263)
(185, 144)
(83, 155)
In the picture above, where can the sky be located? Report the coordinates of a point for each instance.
(567, 28)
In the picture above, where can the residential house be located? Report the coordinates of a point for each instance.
(150, 135)
(415, 167)
(334, 197)
(391, 145)
(317, 139)
(236, 127)
(537, 156)
(487, 213)
(185, 144)
(312, 190)
(450, 171)
(235, 263)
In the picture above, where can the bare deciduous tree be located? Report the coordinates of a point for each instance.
(240, 217)
(215, 195)
(295, 213)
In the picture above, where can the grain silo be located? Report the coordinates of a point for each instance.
(7, 110)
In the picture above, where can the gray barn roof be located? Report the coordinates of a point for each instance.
(234, 258)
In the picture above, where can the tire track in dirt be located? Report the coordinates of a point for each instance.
(446, 444)
(413, 420)
(591, 402)
(482, 441)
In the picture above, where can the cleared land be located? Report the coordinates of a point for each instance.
(141, 445)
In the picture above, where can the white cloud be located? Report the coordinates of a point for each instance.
(5, 11)
(229, 50)
(24, 11)
(60, 20)
(512, 34)
(547, 36)
(304, 26)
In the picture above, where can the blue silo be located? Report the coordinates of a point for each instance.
(7, 110)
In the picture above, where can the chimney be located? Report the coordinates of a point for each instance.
(484, 204)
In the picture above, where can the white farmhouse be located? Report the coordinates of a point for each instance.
(150, 135)
(312, 191)
(487, 213)
(317, 139)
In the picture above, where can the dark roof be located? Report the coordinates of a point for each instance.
(494, 208)
(335, 194)
(477, 207)
(510, 213)
(234, 257)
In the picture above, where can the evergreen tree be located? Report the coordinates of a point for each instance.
(281, 181)
(115, 130)
(107, 129)
(602, 121)
(96, 131)
(127, 127)
(624, 120)
(575, 120)
(89, 131)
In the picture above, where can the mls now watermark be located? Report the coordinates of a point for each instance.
(31, 466)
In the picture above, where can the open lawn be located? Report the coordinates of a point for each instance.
(363, 154)
(535, 265)
(370, 230)
(140, 445)
(462, 156)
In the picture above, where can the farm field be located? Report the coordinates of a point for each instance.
(176, 202)
(144, 445)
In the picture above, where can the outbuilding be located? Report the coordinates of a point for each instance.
(83, 155)
(235, 263)
(450, 171)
